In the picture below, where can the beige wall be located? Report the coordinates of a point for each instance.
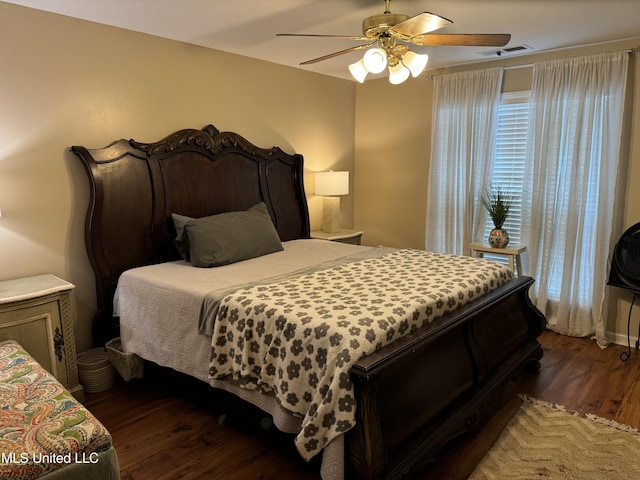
(67, 82)
(393, 127)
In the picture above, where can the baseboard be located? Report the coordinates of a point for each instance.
(621, 339)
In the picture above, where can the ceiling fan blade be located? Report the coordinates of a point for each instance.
(420, 24)
(348, 37)
(464, 39)
(335, 54)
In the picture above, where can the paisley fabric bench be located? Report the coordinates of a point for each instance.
(45, 433)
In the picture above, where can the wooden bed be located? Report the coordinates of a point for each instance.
(414, 395)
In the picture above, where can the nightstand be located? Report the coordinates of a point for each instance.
(344, 236)
(37, 313)
(513, 253)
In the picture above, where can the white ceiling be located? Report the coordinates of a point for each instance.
(248, 27)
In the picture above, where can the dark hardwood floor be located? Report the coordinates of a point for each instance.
(171, 427)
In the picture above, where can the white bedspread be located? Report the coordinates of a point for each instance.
(159, 305)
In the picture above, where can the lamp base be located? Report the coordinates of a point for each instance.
(331, 214)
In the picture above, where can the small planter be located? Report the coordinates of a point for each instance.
(498, 203)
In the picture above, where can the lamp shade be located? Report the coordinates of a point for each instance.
(332, 183)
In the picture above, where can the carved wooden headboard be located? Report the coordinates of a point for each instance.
(135, 187)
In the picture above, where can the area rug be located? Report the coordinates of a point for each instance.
(547, 441)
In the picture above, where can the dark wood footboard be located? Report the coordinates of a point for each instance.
(416, 395)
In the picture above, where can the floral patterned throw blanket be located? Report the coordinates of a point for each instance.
(297, 339)
(42, 427)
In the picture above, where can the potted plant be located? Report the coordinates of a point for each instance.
(498, 203)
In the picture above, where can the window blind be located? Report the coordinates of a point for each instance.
(508, 173)
(508, 167)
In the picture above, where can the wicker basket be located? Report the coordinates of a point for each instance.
(95, 370)
(128, 365)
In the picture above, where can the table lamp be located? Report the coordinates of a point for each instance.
(331, 185)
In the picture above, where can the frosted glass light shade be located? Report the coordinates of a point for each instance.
(375, 60)
(398, 73)
(358, 70)
(415, 63)
(332, 183)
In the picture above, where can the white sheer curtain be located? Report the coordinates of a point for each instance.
(463, 143)
(572, 171)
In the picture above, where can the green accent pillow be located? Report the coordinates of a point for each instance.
(227, 237)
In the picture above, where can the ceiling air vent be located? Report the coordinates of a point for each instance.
(505, 51)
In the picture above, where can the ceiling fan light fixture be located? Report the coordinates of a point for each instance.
(389, 32)
(375, 60)
(398, 73)
(358, 70)
(416, 63)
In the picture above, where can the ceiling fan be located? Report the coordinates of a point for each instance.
(390, 32)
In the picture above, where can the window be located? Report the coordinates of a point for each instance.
(509, 161)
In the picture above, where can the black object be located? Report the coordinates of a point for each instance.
(625, 273)
(625, 264)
